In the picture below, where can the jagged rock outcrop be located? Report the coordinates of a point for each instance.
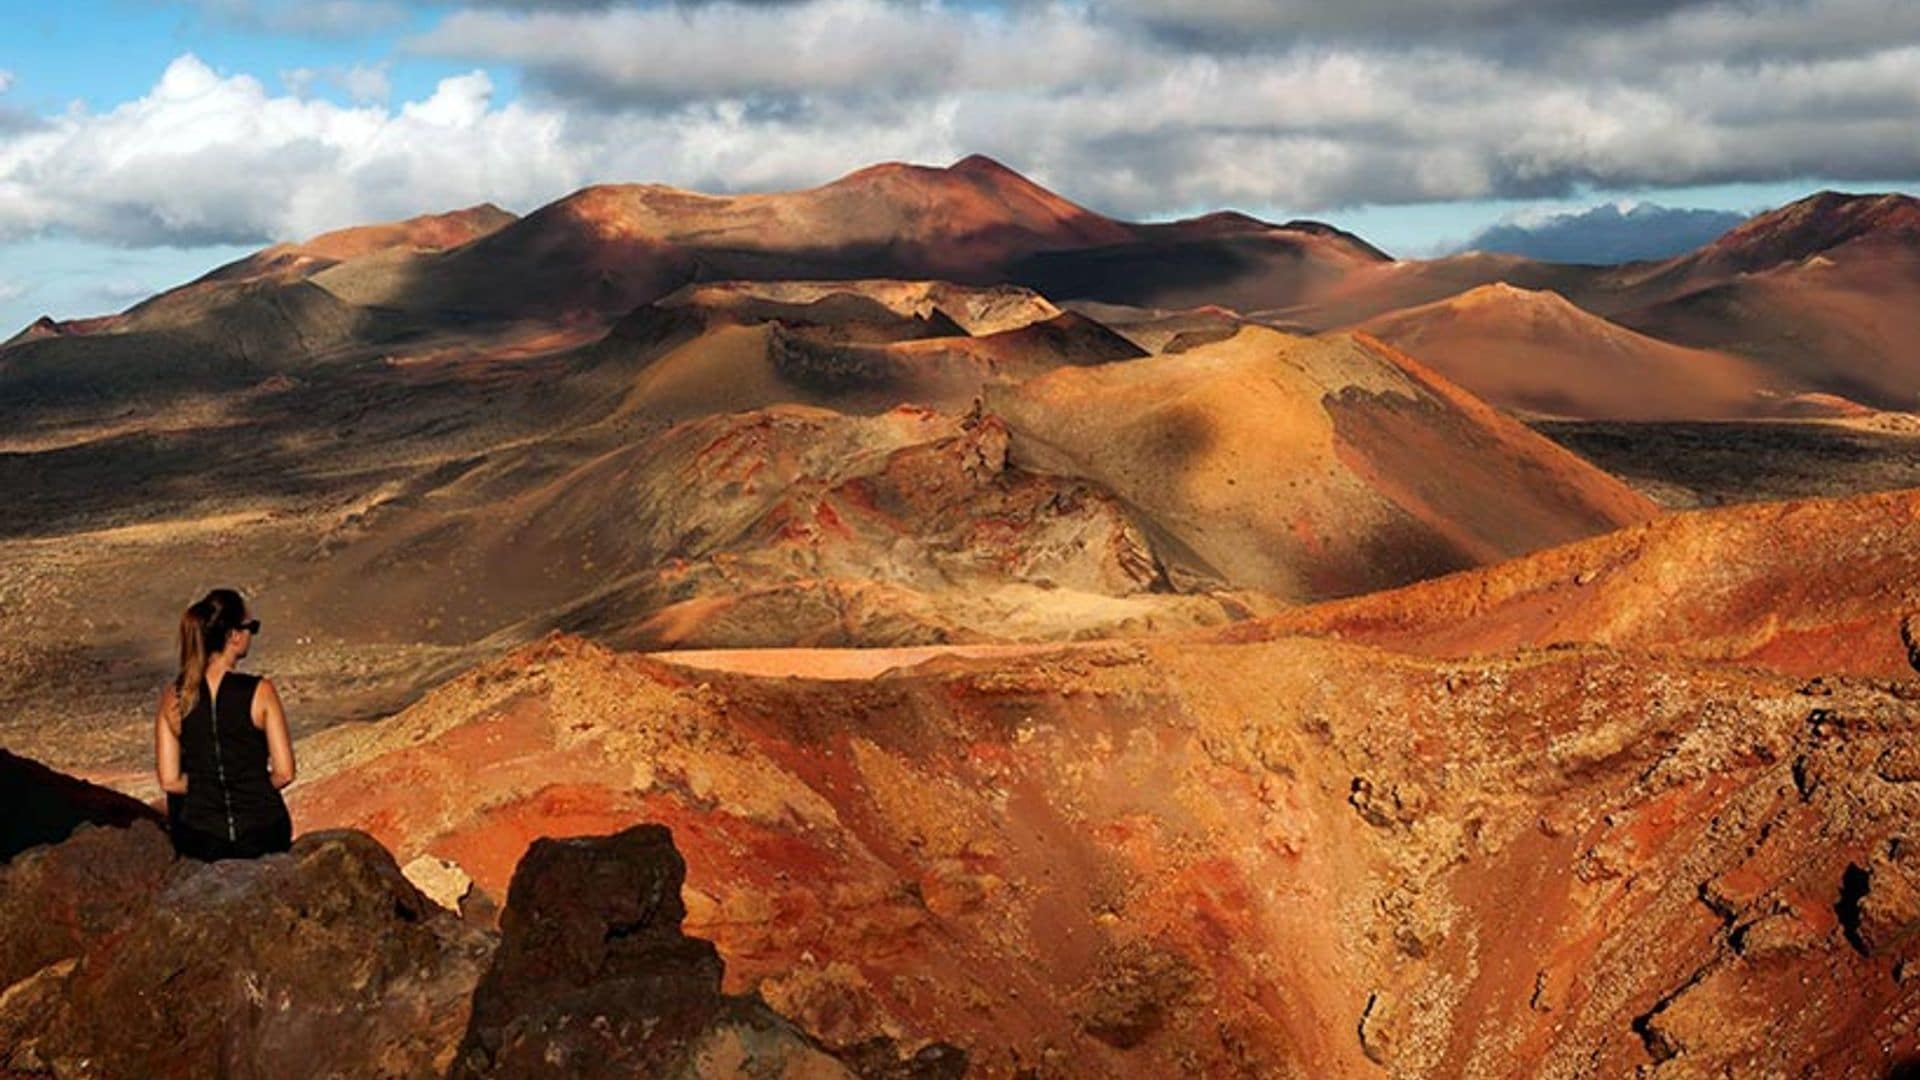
(593, 978)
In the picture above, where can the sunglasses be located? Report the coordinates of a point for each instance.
(251, 626)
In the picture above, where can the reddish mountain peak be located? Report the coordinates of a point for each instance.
(1321, 228)
(1503, 294)
(982, 165)
(1232, 224)
(1817, 223)
(974, 173)
(1221, 222)
(430, 232)
(38, 329)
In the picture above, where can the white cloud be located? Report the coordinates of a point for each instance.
(204, 158)
(11, 290)
(1383, 18)
(6, 80)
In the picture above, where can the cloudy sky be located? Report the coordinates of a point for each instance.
(142, 142)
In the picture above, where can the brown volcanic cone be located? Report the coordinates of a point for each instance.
(428, 232)
(1536, 351)
(1828, 222)
(260, 315)
(1806, 587)
(785, 525)
(612, 247)
(1227, 259)
(1309, 467)
(1279, 858)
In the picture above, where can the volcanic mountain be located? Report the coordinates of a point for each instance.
(1309, 467)
(1820, 294)
(477, 278)
(1225, 259)
(1815, 293)
(1825, 291)
(1536, 352)
(609, 248)
(416, 235)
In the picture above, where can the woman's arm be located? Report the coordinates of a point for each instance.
(273, 721)
(166, 747)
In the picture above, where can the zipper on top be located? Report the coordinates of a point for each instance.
(219, 758)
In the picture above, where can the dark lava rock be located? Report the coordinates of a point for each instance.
(324, 961)
(45, 807)
(55, 899)
(593, 977)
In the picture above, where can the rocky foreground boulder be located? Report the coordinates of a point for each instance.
(119, 960)
(324, 961)
(593, 978)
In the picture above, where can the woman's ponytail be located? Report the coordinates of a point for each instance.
(203, 631)
(193, 656)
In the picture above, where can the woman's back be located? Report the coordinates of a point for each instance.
(230, 795)
(221, 747)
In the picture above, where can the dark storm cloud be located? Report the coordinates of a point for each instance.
(1149, 104)
(1225, 22)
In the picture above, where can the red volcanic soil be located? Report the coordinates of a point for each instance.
(428, 232)
(1272, 858)
(1309, 467)
(962, 310)
(1537, 352)
(1808, 587)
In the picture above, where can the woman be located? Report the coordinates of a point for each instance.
(221, 742)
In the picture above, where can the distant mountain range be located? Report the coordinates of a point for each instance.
(1608, 234)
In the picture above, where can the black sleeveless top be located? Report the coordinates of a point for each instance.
(229, 790)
